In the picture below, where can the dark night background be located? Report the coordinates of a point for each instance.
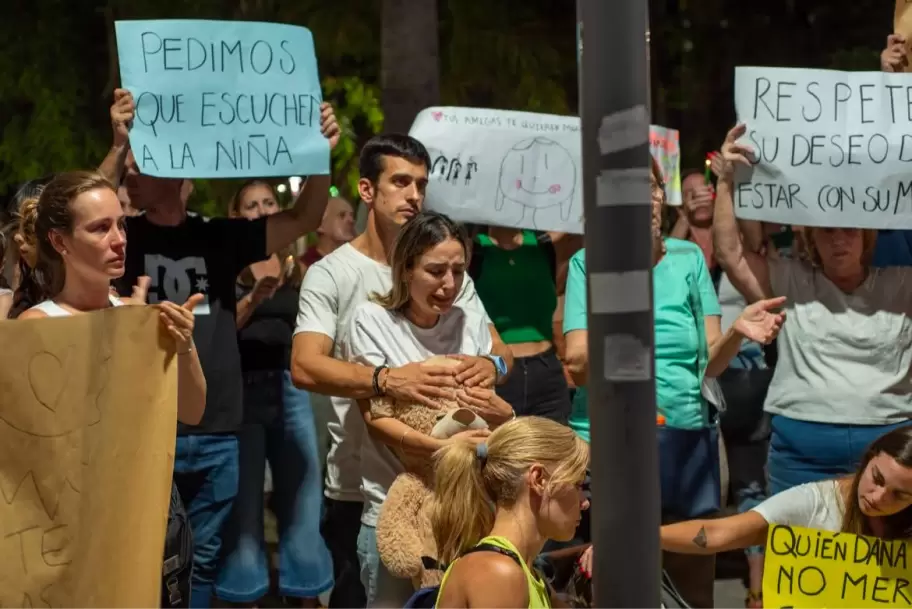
(58, 64)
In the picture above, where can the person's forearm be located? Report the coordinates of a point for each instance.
(245, 308)
(722, 352)
(690, 537)
(310, 204)
(191, 388)
(328, 376)
(714, 536)
(113, 164)
(727, 245)
(396, 434)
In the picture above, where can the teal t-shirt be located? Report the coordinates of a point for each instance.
(678, 378)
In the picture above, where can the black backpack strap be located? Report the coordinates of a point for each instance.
(431, 564)
(490, 547)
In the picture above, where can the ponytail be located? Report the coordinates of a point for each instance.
(470, 482)
(461, 513)
(29, 292)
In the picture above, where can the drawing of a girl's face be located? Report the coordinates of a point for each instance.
(538, 173)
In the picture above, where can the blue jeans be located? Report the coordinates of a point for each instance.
(746, 465)
(206, 475)
(802, 452)
(289, 442)
(383, 588)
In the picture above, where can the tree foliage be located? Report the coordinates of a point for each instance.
(58, 65)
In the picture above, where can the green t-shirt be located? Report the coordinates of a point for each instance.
(678, 378)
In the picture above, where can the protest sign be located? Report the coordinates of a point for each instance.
(223, 99)
(665, 146)
(507, 168)
(811, 568)
(831, 148)
(88, 414)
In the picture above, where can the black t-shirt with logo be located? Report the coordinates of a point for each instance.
(202, 255)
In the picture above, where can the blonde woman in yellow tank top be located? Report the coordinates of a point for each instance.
(495, 506)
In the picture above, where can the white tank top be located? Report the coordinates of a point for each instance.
(52, 309)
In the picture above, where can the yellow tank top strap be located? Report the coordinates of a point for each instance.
(539, 597)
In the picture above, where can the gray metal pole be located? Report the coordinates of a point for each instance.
(626, 508)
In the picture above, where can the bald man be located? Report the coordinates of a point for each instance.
(337, 229)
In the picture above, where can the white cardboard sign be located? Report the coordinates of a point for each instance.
(830, 148)
(504, 168)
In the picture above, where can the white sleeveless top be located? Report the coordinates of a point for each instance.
(52, 309)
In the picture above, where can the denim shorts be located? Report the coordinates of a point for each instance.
(288, 441)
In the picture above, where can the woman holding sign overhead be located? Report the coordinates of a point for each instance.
(845, 349)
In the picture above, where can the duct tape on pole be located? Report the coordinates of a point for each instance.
(614, 98)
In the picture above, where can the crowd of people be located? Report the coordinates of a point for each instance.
(802, 334)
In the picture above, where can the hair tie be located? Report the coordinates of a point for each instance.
(481, 452)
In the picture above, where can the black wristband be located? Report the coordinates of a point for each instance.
(376, 379)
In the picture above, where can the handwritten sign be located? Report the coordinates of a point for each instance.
(88, 414)
(810, 568)
(832, 148)
(507, 168)
(223, 99)
(665, 146)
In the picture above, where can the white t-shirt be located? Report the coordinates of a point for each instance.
(816, 505)
(843, 358)
(377, 337)
(331, 291)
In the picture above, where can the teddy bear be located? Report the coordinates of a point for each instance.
(404, 537)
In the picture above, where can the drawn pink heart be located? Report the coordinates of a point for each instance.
(437, 116)
(555, 188)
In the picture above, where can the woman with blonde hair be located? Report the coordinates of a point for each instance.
(842, 375)
(72, 244)
(531, 472)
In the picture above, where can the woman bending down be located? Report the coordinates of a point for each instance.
(496, 504)
(874, 502)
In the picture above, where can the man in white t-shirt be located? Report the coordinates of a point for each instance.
(394, 176)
